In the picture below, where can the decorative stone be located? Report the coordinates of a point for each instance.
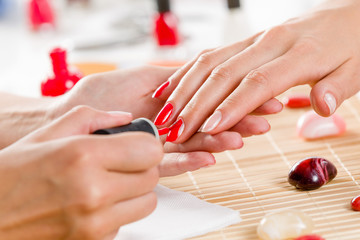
(312, 126)
(284, 224)
(311, 173)
(297, 101)
(355, 203)
(310, 237)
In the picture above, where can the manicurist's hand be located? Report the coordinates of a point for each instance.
(60, 182)
(221, 86)
(131, 90)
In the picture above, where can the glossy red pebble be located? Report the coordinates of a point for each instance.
(311, 173)
(297, 101)
(64, 78)
(355, 203)
(310, 237)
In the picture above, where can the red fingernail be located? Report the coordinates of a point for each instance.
(160, 89)
(164, 114)
(297, 101)
(175, 130)
(163, 131)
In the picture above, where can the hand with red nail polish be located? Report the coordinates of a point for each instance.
(125, 94)
(221, 86)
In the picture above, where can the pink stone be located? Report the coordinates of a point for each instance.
(312, 126)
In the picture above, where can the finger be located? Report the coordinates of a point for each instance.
(125, 152)
(293, 68)
(222, 81)
(251, 125)
(209, 143)
(117, 186)
(167, 87)
(329, 93)
(106, 221)
(272, 106)
(178, 163)
(194, 78)
(83, 120)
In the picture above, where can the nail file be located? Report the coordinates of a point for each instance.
(138, 125)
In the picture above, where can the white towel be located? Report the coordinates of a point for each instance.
(179, 215)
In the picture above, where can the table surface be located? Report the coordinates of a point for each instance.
(253, 180)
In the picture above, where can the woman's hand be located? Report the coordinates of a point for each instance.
(221, 86)
(60, 182)
(131, 90)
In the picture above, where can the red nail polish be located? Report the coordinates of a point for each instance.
(175, 130)
(297, 101)
(166, 30)
(164, 114)
(163, 131)
(160, 89)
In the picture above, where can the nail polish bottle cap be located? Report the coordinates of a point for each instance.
(233, 4)
(163, 5)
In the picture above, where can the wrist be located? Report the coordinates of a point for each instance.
(21, 115)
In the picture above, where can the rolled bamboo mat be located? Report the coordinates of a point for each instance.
(253, 180)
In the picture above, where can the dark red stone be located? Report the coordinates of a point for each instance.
(311, 173)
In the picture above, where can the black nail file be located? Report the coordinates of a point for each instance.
(138, 125)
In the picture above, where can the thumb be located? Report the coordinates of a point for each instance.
(330, 92)
(82, 120)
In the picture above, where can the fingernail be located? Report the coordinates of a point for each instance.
(175, 130)
(119, 113)
(330, 102)
(212, 122)
(163, 131)
(209, 164)
(164, 114)
(160, 89)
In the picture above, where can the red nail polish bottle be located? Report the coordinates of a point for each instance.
(63, 79)
(40, 14)
(166, 25)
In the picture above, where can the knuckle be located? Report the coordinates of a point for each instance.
(230, 103)
(221, 73)
(306, 45)
(204, 52)
(257, 77)
(91, 197)
(205, 59)
(276, 32)
(78, 153)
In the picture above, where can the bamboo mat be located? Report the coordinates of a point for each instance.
(253, 180)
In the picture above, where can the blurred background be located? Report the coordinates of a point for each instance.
(105, 34)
